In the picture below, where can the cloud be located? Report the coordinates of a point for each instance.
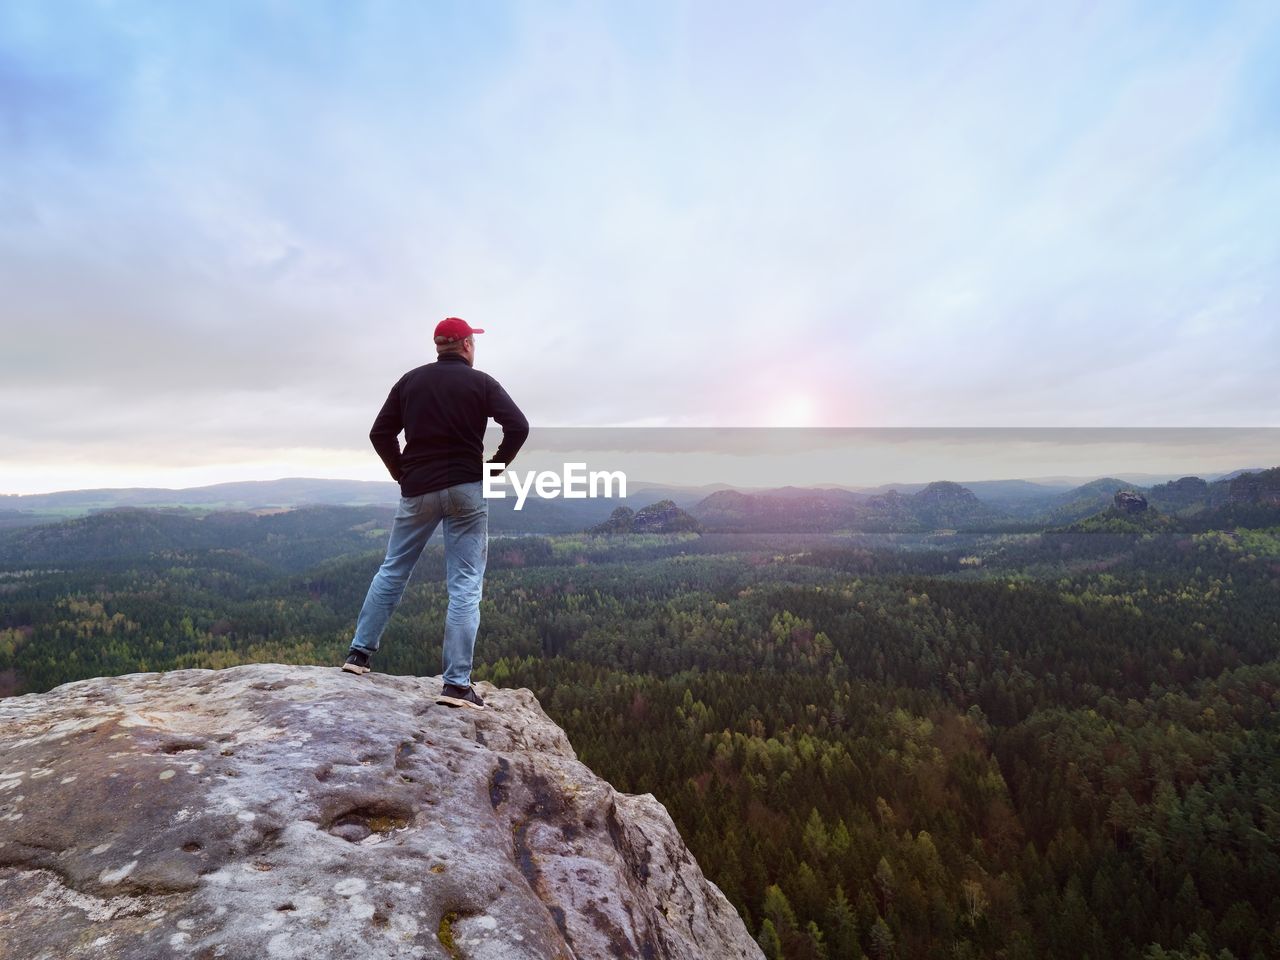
(248, 218)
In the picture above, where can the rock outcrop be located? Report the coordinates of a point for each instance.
(291, 811)
(661, 517)
(1130, 501)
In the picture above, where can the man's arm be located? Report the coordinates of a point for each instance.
(386, 431)
(515, 428)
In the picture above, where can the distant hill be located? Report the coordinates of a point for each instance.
(238, 495)
(986, 490)
(1188, 504)
(1190, 496)
(537, 516)
(1085, 500)
(1235, 473)
(289, 540)
(891, 507)
(947, 504)
(790, 509)
(799, 510)
(682, 496)
(661, 517)
(1185, 493)
(1262, 487)
(1115, 520)
(943, 504)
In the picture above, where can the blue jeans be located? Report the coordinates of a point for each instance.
(465, 513)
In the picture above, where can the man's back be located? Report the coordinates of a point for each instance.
(443, 408)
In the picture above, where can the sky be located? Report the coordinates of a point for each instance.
(227, 228)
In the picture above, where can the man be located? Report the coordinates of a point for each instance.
(443, 408)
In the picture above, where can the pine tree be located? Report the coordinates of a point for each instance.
(840, 839)
(817, 943)
(815, 838)
(807, 891)
(843, 926)
(778, 909)
(881, 940)
(885, 884)
(768, 940)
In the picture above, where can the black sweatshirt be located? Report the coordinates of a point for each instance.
(443, 408)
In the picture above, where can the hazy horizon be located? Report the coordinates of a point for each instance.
(761, 458)
(1137, 479)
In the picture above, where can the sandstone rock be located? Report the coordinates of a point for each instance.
(291, 811)
(1130, 501)
(661, 517)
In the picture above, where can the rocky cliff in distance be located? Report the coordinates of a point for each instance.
(292, 811)
(661, 517)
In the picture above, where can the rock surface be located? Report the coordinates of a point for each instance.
(1130, 501)
(291, 811)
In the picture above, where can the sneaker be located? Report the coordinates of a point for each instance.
(357, 662)
(456, 696)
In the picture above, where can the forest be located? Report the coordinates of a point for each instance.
(1061, 742)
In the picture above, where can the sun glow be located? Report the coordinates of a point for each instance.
(796, 410)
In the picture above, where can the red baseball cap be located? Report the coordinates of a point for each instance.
(454, 328)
